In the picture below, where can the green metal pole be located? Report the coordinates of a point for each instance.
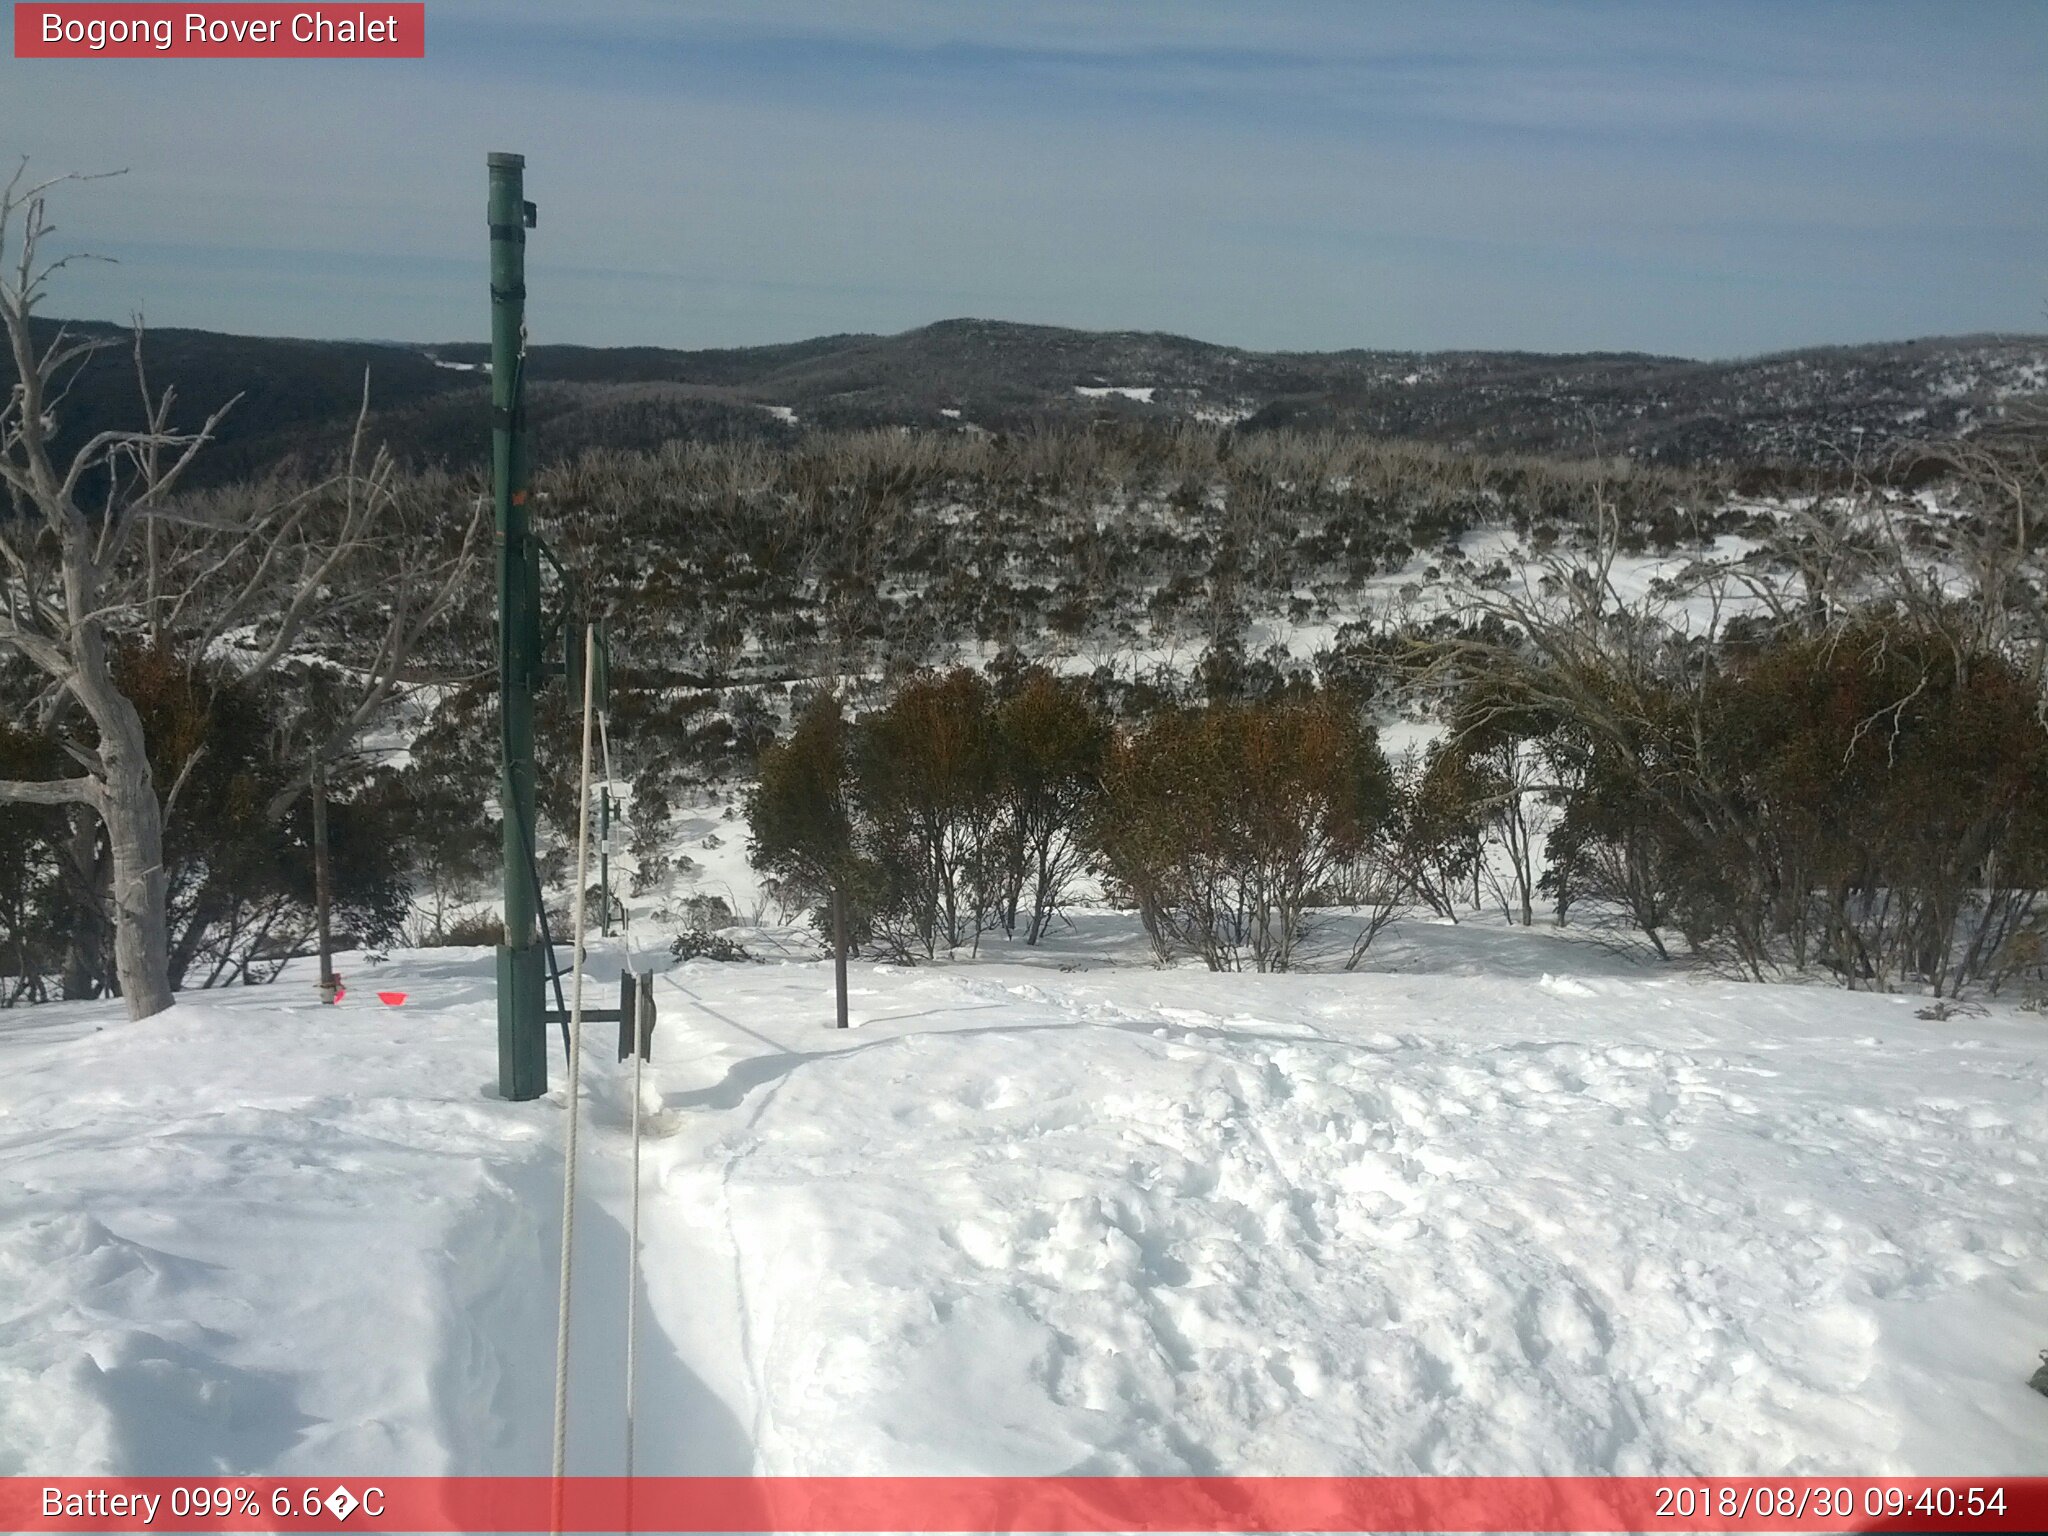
(522, 1032)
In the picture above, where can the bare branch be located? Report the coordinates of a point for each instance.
(50, 791)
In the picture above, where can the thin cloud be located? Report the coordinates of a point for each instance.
(1315, 175)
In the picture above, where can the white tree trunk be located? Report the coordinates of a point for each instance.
(141, 944)
(129, 805)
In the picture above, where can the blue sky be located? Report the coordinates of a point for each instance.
(1706, 179)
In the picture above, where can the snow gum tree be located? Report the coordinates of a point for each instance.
(1228, 823)
(928, 780)
(103, 554)
(801, 825)
(66, 590)
(1834, 760)
(1051, 744)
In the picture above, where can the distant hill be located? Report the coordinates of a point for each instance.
(1817, 406)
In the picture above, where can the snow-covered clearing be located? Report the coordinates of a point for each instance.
(1508, 1204)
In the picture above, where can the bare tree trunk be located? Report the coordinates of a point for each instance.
(74, 581)
(323, 883)
(1521, 854)
(1044, 898)
(135, 839)
(839, 950)
(84, 948)
(127, 802)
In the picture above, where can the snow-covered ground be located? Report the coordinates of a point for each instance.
(1508, 1203)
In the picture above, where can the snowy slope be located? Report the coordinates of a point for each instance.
(250, 1233)
(1511, 1204)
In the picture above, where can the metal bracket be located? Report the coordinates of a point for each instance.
(636, 1005)
(559, 623)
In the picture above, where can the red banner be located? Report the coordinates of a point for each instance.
(214, 31)
(1092, 1504)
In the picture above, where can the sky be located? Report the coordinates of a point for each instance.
(1710, 180)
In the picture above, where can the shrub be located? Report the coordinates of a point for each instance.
(476, 930)
(800, 830)
(696, 944)
(1865, 800)
(707, 913)
(1889, 806)
(1051, 743)
(926, 779)
(1224, 822)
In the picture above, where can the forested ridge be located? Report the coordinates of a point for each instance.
(1223, 638)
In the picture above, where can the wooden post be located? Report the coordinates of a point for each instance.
(839, 950)
(323, 884)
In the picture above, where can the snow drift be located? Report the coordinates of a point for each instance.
(1513, 1206)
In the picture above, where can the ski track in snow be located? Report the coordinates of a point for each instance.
(1512, 1205)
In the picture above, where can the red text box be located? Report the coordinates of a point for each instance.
(1051, 1504)
(215, 31)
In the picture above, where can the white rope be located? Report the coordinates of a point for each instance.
(639, 1072)
(633, 1262)
(604, 737)
(575, 1088)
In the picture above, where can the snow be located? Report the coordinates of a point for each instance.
(248, 1233)
(1507, 1203)
(782, 413)
(1143, 395)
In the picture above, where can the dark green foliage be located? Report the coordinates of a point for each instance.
(1615, 841)
(927, 782)
(1868, 800)
(950, 811)
(45, 912)
(1051, 746)
(1489, 765)
(798, 815)
(477, 930)
(437, 820)
(240, 879)
(1441, 831)
(1883, 807)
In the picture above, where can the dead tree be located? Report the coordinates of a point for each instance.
(423, 581)
(63, 597)
(98, 556)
